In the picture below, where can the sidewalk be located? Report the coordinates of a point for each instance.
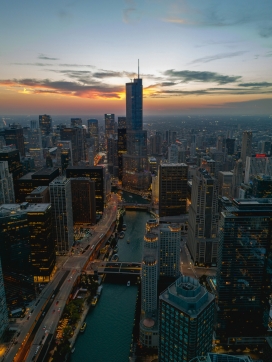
(79, 324)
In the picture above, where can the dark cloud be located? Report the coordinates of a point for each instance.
(65, 87)
(256, 84)
(107, 74)
(266, 31)
(54, 65)
(44, 57)
(190, 76)
(217, 57)
(37, 64)
(76, 65)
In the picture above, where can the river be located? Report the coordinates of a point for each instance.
(108, 334)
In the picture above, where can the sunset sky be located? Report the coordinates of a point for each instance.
(74, 57)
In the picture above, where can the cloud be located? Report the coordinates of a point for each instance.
(217, 57)
(95, 90)
(266, 31)
(44, 57)
(256, 84)
(190, 76)
(174, 20)
(73, 65)
(131, 14)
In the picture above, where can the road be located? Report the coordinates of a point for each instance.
(46, 313)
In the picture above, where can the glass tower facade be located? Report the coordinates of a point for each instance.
(244, 271)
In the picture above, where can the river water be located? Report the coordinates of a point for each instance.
(108, 334)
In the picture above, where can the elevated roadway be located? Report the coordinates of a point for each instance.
(125, 268)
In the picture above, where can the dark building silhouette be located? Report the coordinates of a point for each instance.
(96, 174)
(45, 123)
(77, 136)
(14, 135)
(173, 179)
(262, 186)
(93, 133)
(83, 200)
(109, 124)
(12, 156)
(76, 122)
(26, 184)
(39, 195)
(230, 146)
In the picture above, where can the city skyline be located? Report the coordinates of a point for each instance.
(211, 58)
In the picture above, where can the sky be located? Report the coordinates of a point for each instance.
(196, 56)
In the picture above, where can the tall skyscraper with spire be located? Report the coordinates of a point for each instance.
(135, 174)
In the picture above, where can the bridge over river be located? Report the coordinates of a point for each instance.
(135, 206)
(121, 268)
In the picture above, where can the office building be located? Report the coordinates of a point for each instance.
(64, 156)
(96, 174)
(135, 165)
(173, 153)
(237, 178)
(14, 135)
(75, 136)
(172, 189)
(109, 124)
(256, 165)
(246, 150)
(203, 219)
(122, 122)
(112, 153)
(6, 184)
(83, 200)
(262, 186)
(45, 123)
(93, 133)
(121, 144)
(216, 357)
(12, 156)
(4, 322)
(243, 279)
(224, 183)
(169, 241)
(230, 146)
(267, 350)
(61, 201)
(156, 144)
(34, 145)
(40, 195)
(76, 122)
(15, 251)
(186, 321)
(26, 184)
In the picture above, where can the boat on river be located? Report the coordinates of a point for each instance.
(83, 327)
(94, 301)
(121, 235)
(115, 257)
(128, 241)
(124, 227)
(128, 283)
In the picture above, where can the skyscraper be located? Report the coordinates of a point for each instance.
(14, 136)
(93, 133)
(6, 184)
(203, 219)
(3, 305)
(35, 145)
(61, 201)
(246, 146)
(186, 321)
(173, 153)
(76, 122)
(135, 165)
(173, 179)
(121, 144)
(109, 124)
(244, 268)
(45, 123)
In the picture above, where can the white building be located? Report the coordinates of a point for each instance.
(62, 213)
(6, 184)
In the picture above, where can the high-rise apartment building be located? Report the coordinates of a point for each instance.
(6, 184)
(3, 305)
(203, 219)
(135, 165)
(246, 146)
(83, 200)
(96, 174)
(186, 321)
(61, 201)
(173, 179)
(243, 278)
(45, 123)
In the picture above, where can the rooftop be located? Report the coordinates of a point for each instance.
(45, 171)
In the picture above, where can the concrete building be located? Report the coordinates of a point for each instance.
(224, 183)
(256, 165)
(246, 150)
(39, 195)
(173, 153)
(4, 322)
(45, 123)
(61, 201)
(173, 179)
(186, 321)
(6, 184)
(203, 219)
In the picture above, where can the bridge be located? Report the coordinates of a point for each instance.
(121, 268)
(133, 206)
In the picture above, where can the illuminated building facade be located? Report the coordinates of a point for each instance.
(35, 145)
(6, 184)
(121, 144)
(83, 200)
(64, 156)
(173, 179)
(61, 201)
(96, 174)
(45, 123)
(109, 124)
(3, 305)
(14, 135)
(76, 136)
(93, 133)
(76, 122)
(186, 321)
(203, 219)
(40, 195)
(243, 278)
(262, 186)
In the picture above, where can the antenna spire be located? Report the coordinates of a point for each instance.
(138, 69)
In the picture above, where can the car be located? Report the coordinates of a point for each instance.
(44, 327)
(59, 310)
(53, 310)
(57, 302)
